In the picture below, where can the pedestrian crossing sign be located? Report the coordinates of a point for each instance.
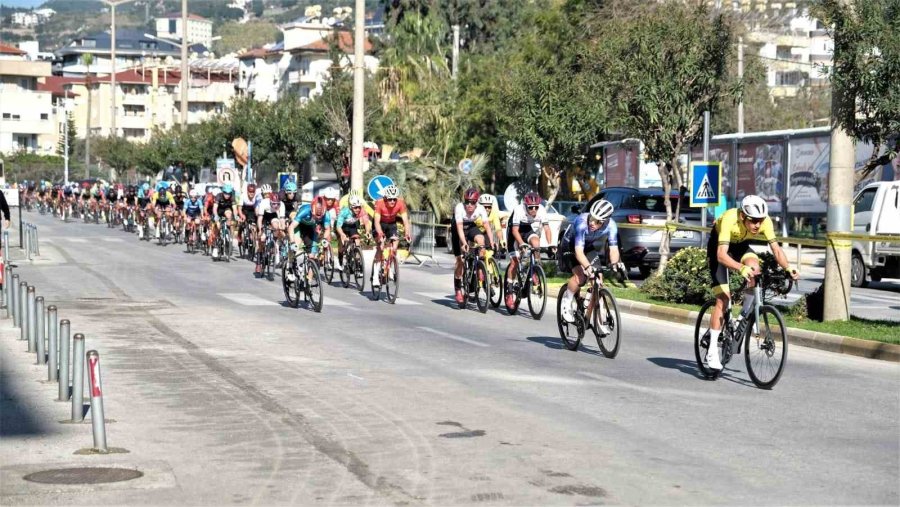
(705, 183)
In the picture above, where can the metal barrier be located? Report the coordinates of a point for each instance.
(30, 244)
(422, 245)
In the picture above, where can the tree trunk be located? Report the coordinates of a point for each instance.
(664, 169)
(87, 132)
(552, 177)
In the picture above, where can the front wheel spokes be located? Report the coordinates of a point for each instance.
(607, 326)
(766, 353)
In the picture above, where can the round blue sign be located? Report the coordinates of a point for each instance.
(376, 184)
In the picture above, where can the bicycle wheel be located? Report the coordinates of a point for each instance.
(328, 265)
(346, 271)
(570, 333)
(359, 270)
(377, 271)
(517, 292)
(392, 280)
(190, 243)
(766, 354)
(289, 284)
(608, 338)
(496, 282)
(313, 285)
(701, 341)
(537, 293)
(482, 287)
(227, 245)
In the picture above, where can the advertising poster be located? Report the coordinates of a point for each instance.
(719, 153)
(808, 175)
(760, 172)
(622, 167)
(887, 172)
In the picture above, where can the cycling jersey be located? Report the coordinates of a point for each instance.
(305, 217)
(579, 235)
(347, 217)
(388, 214)
(731, 229)
(521, 217)
(162, 198)
(467, 219)
(290, 205)
(193, 208)
(493, 219)
(225, 202)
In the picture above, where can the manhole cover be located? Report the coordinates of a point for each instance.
(83, 475)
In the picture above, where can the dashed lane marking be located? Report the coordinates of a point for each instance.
(77, 240)
(453, 337)
(408, 302)
(113, 240)
(435, 295)
(245, 299)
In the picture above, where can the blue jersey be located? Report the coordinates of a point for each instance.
(347, 217)
(193, 207)
(579, 234)
(143, 194)
(304, 216)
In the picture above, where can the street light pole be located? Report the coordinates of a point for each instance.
(359, 84)
(185, 73)
(112, 122)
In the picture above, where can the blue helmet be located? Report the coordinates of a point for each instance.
(228, 188)
(290, 187)
(163, 185)
(145, 186)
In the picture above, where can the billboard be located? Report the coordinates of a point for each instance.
(760, 171)
(808, 175)
(622, 167)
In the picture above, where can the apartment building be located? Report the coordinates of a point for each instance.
(133, 48)
(27, 119)
(199, 29)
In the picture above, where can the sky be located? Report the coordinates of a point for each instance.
(21, 3)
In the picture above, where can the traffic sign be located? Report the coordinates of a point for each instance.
(705, 183)
(284, 178)
(376, 184)
(466, 165)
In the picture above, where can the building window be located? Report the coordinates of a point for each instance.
(5, 116)
(88, 43)
(172, 25)
(789, 78)
(45, 116)
(304, 92)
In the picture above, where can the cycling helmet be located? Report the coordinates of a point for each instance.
(754, 207)
(471, 194)
(251, 188)
(145, 186)
(487, 200)
(194, 193)
(601, 210)
(290, 187)
(390, 192)
(227, 188)
(354, 201)
(163, 185)
(532, 199)
(318, 206)
(274, 199)
(215, 191)
(330, 193)
(266, 189)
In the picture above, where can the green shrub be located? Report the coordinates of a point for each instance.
(685, 279)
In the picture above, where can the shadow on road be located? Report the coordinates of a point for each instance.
(16, 418)
(554, 342)
(682, 365)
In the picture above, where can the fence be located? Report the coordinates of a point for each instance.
(422, 246)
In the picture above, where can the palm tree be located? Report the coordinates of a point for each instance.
(87, 59)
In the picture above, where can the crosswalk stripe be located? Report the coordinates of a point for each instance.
(245, 299)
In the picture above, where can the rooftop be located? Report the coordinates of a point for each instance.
(6, 49)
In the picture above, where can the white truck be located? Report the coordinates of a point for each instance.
(876, 212)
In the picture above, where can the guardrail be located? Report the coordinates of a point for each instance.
(423, 237)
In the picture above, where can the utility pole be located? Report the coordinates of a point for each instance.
(455, 67)
(740, 107)
(185, 72)
(66, 138)
(112, 80)
(359, 86)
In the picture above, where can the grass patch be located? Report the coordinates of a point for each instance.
(884, 331)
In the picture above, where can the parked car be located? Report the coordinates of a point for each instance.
(640, 247)
(876, 210)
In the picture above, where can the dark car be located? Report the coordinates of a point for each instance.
(640, 247)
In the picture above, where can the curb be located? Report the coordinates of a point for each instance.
(812, 339)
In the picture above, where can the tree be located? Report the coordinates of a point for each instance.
(866, 65)
(258, 8)
(116, 152)
(666, 73)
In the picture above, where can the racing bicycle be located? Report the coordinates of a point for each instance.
(529, 282)
(597, 311)
(476, 283)
(300, 278)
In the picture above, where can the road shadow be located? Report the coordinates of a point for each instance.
(690, 368)
(554, 342)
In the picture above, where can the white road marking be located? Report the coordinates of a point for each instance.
(354, 376)
(408, 302)
(661, 391)
(77, 240)
(243, 298)
(435, 295)
(334, 302)
(113, 240)
(521, 377)
(453, 337)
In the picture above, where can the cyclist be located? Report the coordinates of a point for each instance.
(269, 213)
(247, 211)
(310, 220)
(387, 209)
(580, 239)
(225, 208)
(349, 221)
(522, 229)
(163, 202)
(192, 211)
(290, 198)
(729, 248)
(464, 230)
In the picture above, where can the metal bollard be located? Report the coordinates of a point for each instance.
(98, 422)
(64, 333)
(39, 330)
(27, 246)
(37, 244)
(52, 343)
(30, 318)
(20, 306)
(78, 378)
(14, 298)
(7, 293)
(6, 246)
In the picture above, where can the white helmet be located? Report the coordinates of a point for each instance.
(390, 192)
(354, 201)
(601, 210)
(487, 200)
(754, 207)
(266, 189)
(329, 193)
(195, 193)
(215, 191)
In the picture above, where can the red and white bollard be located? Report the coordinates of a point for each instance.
(98, 423)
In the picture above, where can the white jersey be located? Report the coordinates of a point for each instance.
(521, 217)
(252, 201)
(460, 216)
(265, 206)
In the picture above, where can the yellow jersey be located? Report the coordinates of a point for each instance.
(731, 229)
(493, 218)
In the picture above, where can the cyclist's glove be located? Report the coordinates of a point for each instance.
(746, 271)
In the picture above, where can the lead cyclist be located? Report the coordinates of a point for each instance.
(729, 249)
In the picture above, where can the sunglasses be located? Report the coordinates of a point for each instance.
(755, 220)
(488, 207)
(471, 203)
(355, 207)
(532, 208)
(391, 200)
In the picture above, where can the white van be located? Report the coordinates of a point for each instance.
(876, 211)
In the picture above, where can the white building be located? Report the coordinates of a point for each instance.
(796, 56)
(199, 29)
(27, 119)
(31, 18)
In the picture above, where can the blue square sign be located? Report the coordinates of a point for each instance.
(705, 183)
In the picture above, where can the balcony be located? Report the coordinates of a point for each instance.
(23, 68)
(133, 99)
(133, 122)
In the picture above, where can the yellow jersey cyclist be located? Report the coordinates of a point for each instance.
(580, 238)
(729, 248)
(489, 203)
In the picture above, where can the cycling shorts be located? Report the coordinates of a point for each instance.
(389, 230)
(163, 205)
(267, 219)
(719, 274)
(470, 231)
(351, 229)
(525, 231)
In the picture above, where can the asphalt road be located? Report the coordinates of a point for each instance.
(221, 394)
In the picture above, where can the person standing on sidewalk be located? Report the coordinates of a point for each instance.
(4, 210)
